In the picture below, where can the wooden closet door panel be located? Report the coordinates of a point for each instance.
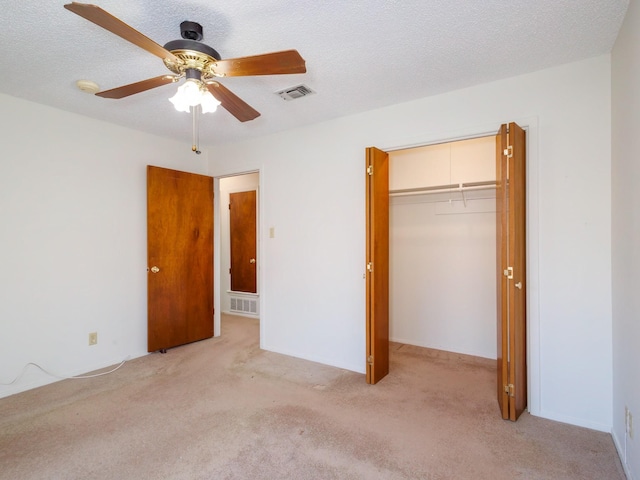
(501, 279)
(511, 270)
(377, 252)
(517, 259)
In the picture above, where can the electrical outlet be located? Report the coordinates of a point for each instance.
(626, 420)
(93, 338)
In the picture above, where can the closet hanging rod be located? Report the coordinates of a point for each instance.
(453, 187)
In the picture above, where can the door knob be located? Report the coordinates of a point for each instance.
(518, 285)
(155, 269)
(252, 260)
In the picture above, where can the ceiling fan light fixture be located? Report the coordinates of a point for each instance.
(189, 94)
(192, 93)
(209, 103)
(179, 104)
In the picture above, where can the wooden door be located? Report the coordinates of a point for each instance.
(511, 270)
(180, 257)
(377, 253)
(242, 234)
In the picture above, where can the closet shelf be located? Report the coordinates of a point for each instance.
(453, 187)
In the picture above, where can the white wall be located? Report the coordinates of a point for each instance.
(312, 192)
(73, 240)
(442, 255)
(443, 275)
(239, 183)
(626, 236)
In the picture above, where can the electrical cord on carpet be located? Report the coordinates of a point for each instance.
(62, 377)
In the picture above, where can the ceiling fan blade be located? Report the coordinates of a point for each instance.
(132, 88)
(232, 103)
(104, 19)
(276, 63)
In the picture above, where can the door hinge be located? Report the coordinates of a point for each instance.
(510, 390)
(509, 150)
(370, 170)
(370, 360)
(229, 206)
(229, 271)
(370, 267)
(508, 273)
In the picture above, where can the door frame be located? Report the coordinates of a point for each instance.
(217, 252)
(530, 125)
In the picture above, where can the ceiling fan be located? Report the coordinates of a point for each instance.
(196, 62)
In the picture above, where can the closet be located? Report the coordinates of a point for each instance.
(446, 255)
(442, 246)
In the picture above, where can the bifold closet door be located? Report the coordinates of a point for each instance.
(377, 264)
(511, 270)
(180, 256)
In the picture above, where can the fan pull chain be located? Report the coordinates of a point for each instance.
(196, 129)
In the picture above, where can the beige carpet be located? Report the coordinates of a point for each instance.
(223, 409)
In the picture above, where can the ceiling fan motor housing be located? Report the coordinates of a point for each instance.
(191, 30)
(194, 54)
(192, 73)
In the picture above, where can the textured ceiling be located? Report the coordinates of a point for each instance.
(360, 54)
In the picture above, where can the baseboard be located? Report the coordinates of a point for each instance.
(578, 422)
(622, 455)
(46, 379)
(323, 361)
(240, 314)
(470, 356)
(15, 389)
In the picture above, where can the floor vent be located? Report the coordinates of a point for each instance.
(244, 305)
(293, 93)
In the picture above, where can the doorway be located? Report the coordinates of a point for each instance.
(239, 286)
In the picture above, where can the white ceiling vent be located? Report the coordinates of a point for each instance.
(293, 93)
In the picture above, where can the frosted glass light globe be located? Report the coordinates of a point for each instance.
(209, 103)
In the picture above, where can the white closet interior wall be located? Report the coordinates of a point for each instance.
(443, 248)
